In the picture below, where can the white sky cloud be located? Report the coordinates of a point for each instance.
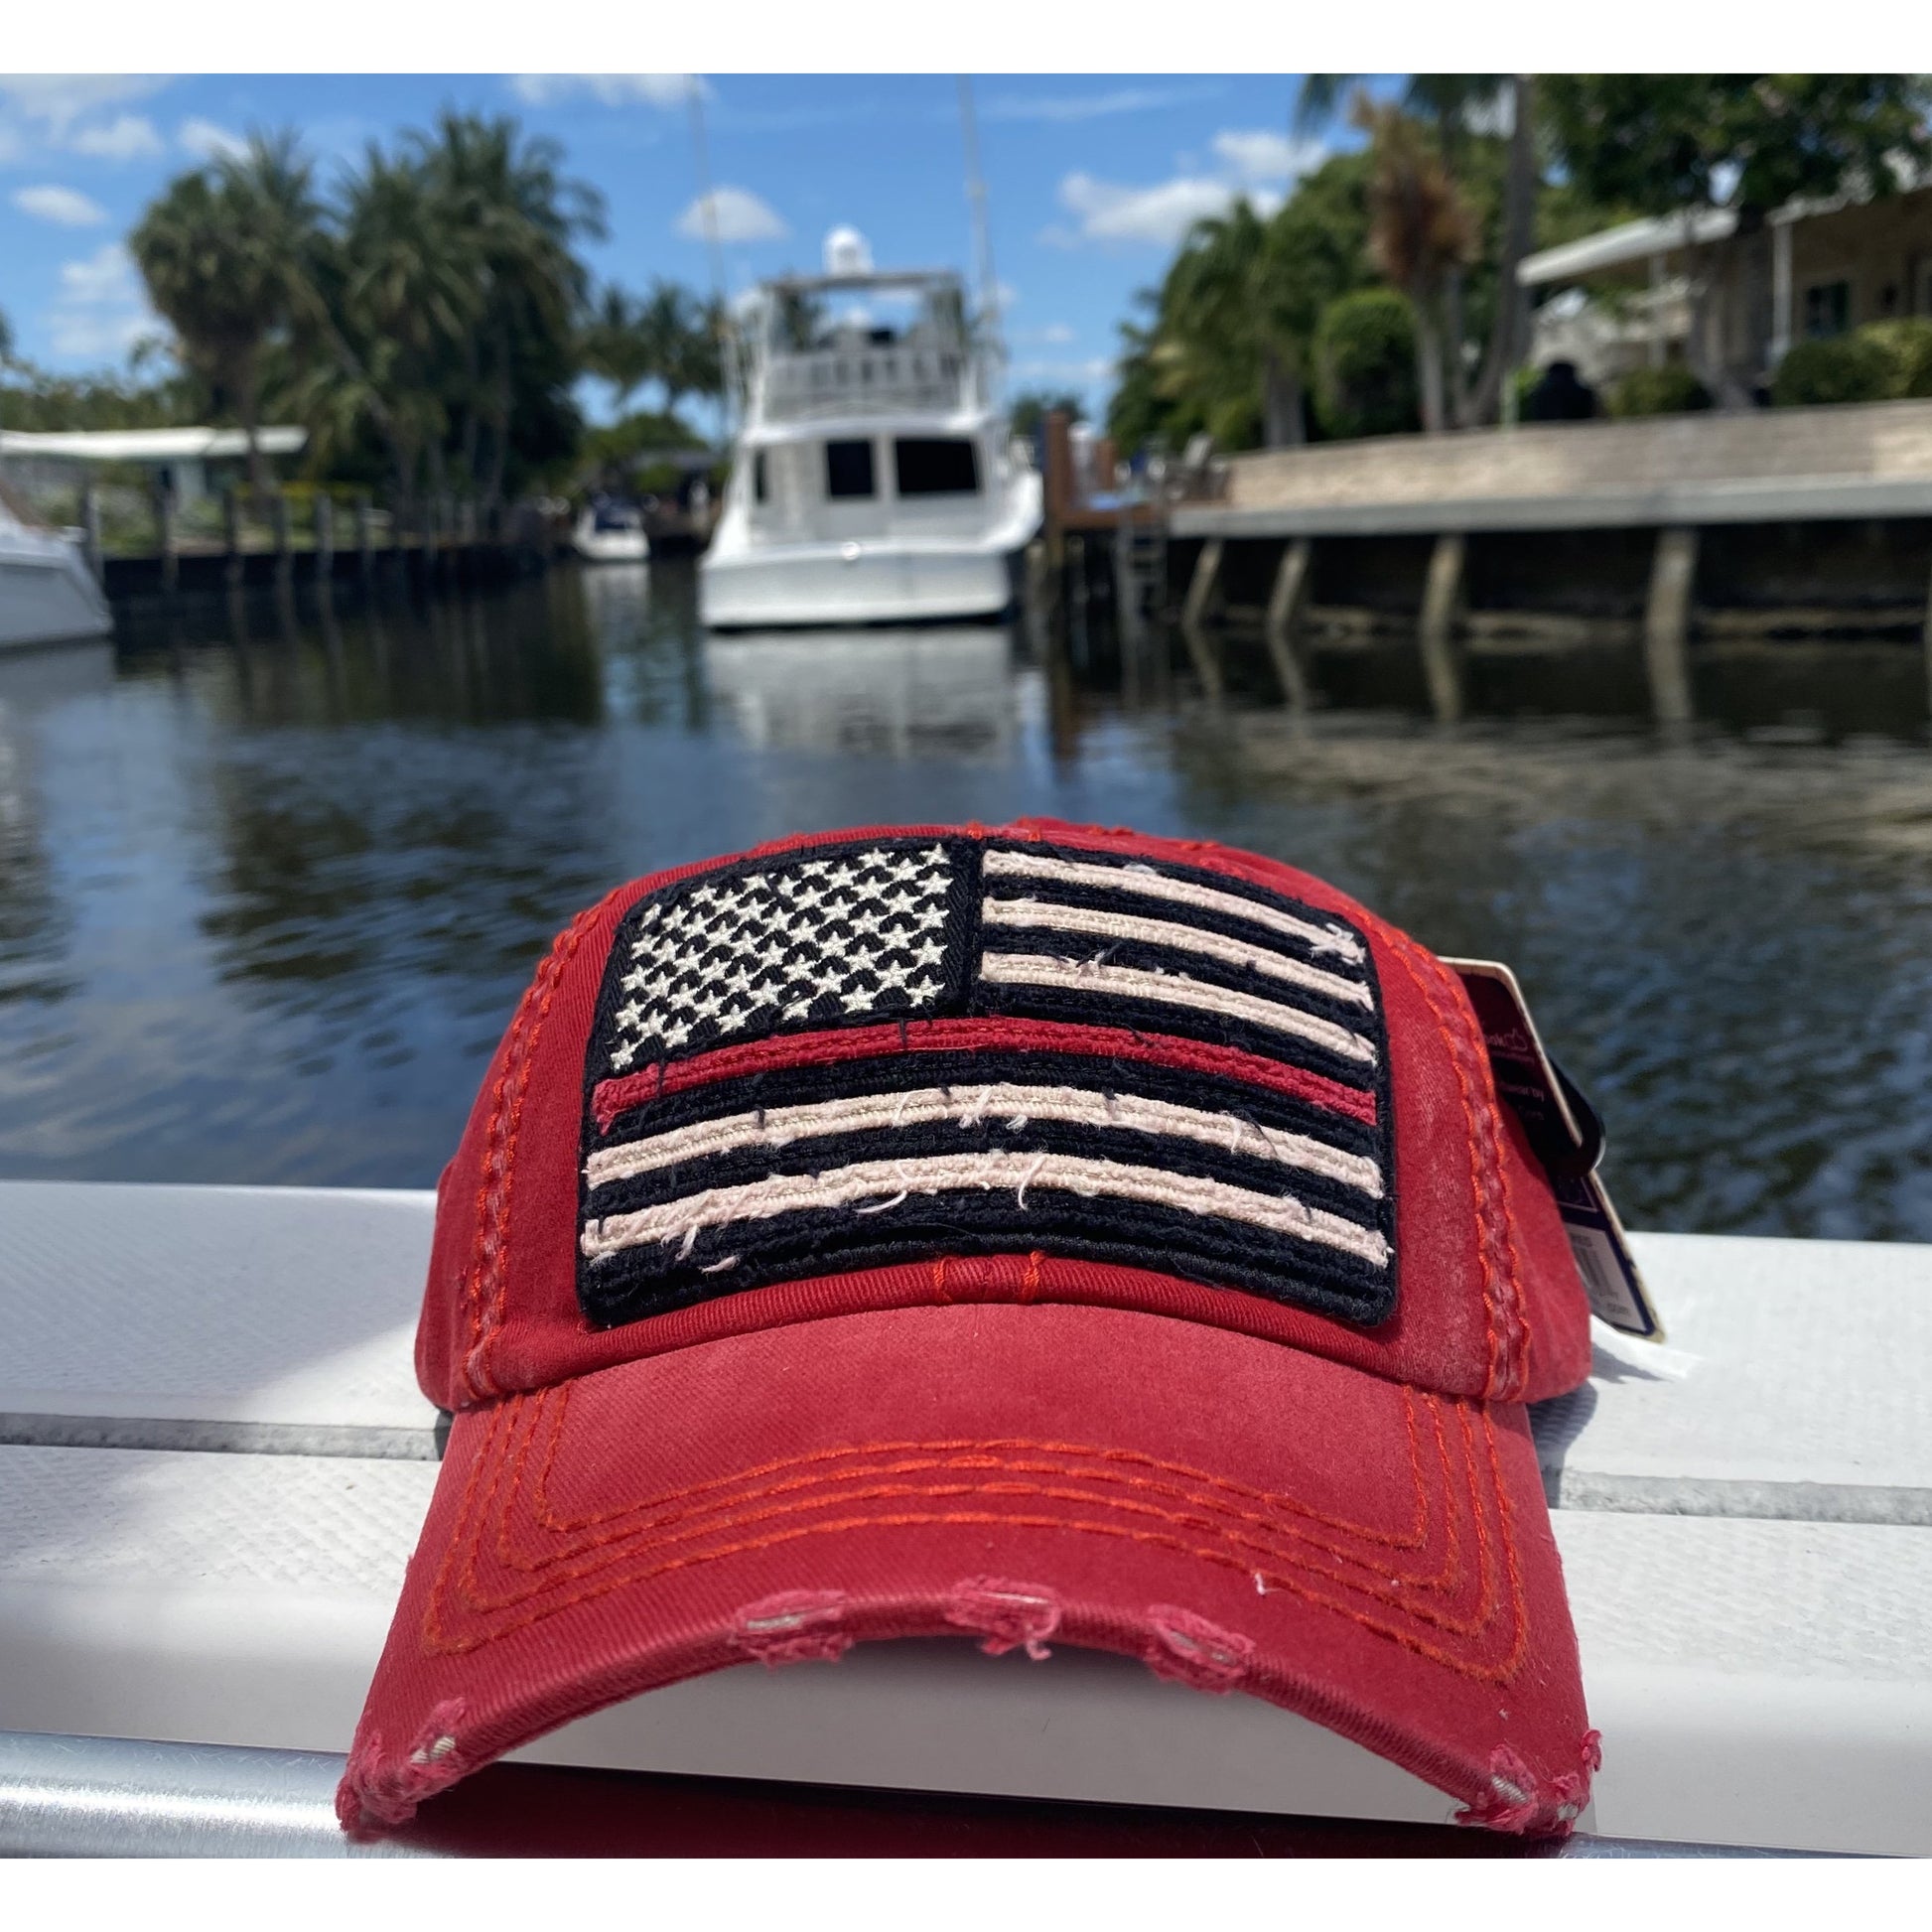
(609, 90)
(1159, 216)
(1087, 107)
(56, 100)
(1255, 162)
(101, 310)
(1098, 369)
(127, 137)
(66, 207)
(740, 215)
(1056, 335)
(208, 140)
(1257, 154)
(44, 111)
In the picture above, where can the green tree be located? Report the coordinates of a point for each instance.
(227, 253)
(1420, 234)
(1463, 110)
(1666, 144)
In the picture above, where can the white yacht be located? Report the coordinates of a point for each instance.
(874, 479)
(611, 534)
(47, 592)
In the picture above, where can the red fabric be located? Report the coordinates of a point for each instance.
(1011, 1445)
(1488, 1304)
(1239, 1515)
(609, 1098)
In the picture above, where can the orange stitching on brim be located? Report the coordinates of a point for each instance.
(1416, 1537)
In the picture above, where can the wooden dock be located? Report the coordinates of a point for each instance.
(1674, 537)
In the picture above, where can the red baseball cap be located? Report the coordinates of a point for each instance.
(1043, 1234)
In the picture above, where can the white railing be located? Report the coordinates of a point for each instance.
(842, 382)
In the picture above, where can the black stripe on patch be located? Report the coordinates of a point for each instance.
(636, 1283)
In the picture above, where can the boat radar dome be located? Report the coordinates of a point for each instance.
(847, 252)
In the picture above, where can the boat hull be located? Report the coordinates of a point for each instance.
(47, 594)
(797, 585)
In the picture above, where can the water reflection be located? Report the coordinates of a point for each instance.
(929, 693)
(274, 870)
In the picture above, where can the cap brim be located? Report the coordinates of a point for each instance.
(1241, 1515)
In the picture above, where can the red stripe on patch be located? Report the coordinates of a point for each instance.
(609, 1098)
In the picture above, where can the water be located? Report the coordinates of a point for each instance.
(271, 879)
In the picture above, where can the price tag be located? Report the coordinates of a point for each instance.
(1568, 1137)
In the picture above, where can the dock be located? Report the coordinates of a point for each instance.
(1679, 538)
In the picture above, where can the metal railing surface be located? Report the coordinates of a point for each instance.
(112, 1797)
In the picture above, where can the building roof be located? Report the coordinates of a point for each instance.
(1632, 242)
(149, 445)
(1635, 241)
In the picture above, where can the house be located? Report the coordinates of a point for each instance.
(176, 459)
(1623, 298)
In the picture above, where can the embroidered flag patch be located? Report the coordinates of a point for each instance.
(892, 1051)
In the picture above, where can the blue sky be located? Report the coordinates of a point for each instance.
(1090, 179)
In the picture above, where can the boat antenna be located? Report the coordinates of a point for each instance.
(713, 250)
(975, 198)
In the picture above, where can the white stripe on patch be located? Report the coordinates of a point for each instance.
(1172, 989)
(1164, 933)
(885, 1182)
(778, 1126)
(1179, 891)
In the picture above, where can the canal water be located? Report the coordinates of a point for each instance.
(273, 874)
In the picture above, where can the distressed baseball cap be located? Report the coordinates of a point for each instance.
(1036, 1235)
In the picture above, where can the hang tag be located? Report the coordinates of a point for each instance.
(1568, 1138)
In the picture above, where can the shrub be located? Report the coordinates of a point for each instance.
(1669, 391)
(1834, 368)
(1906, 345)
(1365, 365)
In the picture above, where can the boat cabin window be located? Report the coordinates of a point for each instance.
(936, 466)
(848, 470)
(760, 483)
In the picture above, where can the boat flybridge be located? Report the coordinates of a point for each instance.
(876, 479)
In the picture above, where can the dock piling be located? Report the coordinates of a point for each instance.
(1441, 597)
(91, 524)
(365, 534)
(325, 536)
(1201, 588)
(167, 535)
(232, 566)
(1667, 624)
(1285, 602)
(284, 538)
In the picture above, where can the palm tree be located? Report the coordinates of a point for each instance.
(1420, 233)
(1458, 107)
(219, 251)
(1240, 307)
(512, 213)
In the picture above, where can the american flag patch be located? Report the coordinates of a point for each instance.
(897, 1050)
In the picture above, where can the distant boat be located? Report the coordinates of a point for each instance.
(875, 478)
(611, 534)
(48, 594)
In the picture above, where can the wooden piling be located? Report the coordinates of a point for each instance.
(1928, 644)
(325, 536)
(1667, 624)
(365, 534)
(1201, 588)
(1440, 602)
(167, 535)
(232, 566)
(284, 536)
(90, 525)
(1285, 602)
